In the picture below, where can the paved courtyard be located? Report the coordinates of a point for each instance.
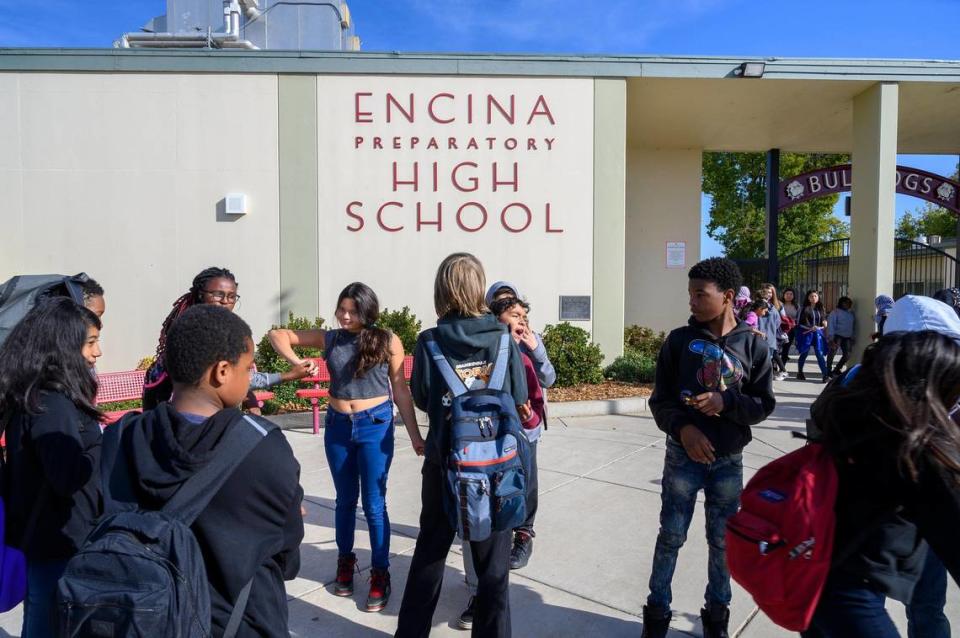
(597, 525)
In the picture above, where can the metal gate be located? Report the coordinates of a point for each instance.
(919, 269)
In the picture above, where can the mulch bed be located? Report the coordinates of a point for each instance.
(600, 392)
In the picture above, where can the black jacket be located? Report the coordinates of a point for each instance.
(251, 527)
(470, 344)
(53, 462)
(882, 516)
(690, 361)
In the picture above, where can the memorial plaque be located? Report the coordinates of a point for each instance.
(574, 307)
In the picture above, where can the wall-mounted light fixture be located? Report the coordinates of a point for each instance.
(235, 204)
(750, 70)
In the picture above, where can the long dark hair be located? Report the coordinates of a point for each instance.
(192, 297)
(908, 383)
(374, 343)
(43, 352)
(806, 310)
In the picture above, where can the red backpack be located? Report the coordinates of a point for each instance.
(780, 543)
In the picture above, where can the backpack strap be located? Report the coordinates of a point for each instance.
(233, 625)
(499, 374)
(196, 493)
(452, 379)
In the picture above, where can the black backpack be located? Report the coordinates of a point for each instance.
(140, 572)
(19, 294)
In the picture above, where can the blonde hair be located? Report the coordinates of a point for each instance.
(460, 286)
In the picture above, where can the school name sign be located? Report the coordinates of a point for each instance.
(416, 155)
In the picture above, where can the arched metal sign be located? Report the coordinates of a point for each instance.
(838, 179)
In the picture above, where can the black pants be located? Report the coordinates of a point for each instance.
(533, 496)
(844, 345)
(491, 557)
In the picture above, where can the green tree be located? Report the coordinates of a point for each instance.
(927, 220)
(736, 184)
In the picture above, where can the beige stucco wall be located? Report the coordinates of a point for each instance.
(120, 175)
(663, 205)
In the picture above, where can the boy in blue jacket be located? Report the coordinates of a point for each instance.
(713, 381)
(841, 331)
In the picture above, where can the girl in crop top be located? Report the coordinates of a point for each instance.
(366, 367)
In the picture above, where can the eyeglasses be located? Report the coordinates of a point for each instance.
(220, 295)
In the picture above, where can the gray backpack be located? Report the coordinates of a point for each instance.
(21, 293)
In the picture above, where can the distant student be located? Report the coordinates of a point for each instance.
(714, 380)
(770, 326)
(792, 311)
(366, 379)
(93, 299)
(755, 311)
(813, 320)
(883, 304)
(252, 528)
(513, 312)
(51, 477)
(896, 453)
(469, 337)
(213, 286)
(841, 331)
(741, 303)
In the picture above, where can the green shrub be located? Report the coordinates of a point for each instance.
(643, 341)
(402, 323)
(576, 359)
(268, 360)
(632, 368)
(116, 406)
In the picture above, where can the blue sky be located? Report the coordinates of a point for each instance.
(811, 28)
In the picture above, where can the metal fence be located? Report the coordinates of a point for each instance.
(919, 269)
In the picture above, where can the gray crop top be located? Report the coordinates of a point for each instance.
(341, 354)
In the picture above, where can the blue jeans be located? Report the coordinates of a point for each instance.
(359, 450)
(722, 483)
(40, 605)
(851, 609)
(925, 617)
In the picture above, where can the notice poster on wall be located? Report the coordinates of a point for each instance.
(676, 254)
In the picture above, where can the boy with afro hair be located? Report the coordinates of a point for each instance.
(250, 531)
(713, 382)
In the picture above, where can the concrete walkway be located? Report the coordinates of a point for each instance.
(597, 525)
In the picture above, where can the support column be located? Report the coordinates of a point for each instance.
(609, 214)
(773, 216)
(872, 203)
(299, 236)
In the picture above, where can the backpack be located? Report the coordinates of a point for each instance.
(780, 543)
(21, 293)
(140, 572)
(489, 458)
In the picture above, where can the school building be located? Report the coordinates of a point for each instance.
(576, 177)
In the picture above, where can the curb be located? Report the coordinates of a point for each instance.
(628, 405)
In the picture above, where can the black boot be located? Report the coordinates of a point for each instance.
(656, 622)
(715, 620)
(522, 550)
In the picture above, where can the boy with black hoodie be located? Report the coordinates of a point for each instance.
(252, 527)
(714, 380)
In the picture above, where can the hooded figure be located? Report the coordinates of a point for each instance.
(883, 304)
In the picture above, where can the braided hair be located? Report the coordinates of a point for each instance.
(157, 371)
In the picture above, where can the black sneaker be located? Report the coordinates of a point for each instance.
(379, 589)
(346, 565)
(801, 377)
(465, 621)
(522, 550)
(715, 620)
(656, 622)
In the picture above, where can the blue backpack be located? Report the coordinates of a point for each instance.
(489, 458)
(140, 572)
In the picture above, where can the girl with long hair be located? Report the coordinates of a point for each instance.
(813, 319)
(897, 453)
(212, 285)
(770, 326)
(366, 379)
(792, 312)
(52, 487)
(469, 337)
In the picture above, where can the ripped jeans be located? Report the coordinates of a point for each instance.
(722, 484)
(359, 449)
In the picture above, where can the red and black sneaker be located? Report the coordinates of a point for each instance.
(379, 589)
(346, 565)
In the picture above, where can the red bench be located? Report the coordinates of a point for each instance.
(317, 392)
